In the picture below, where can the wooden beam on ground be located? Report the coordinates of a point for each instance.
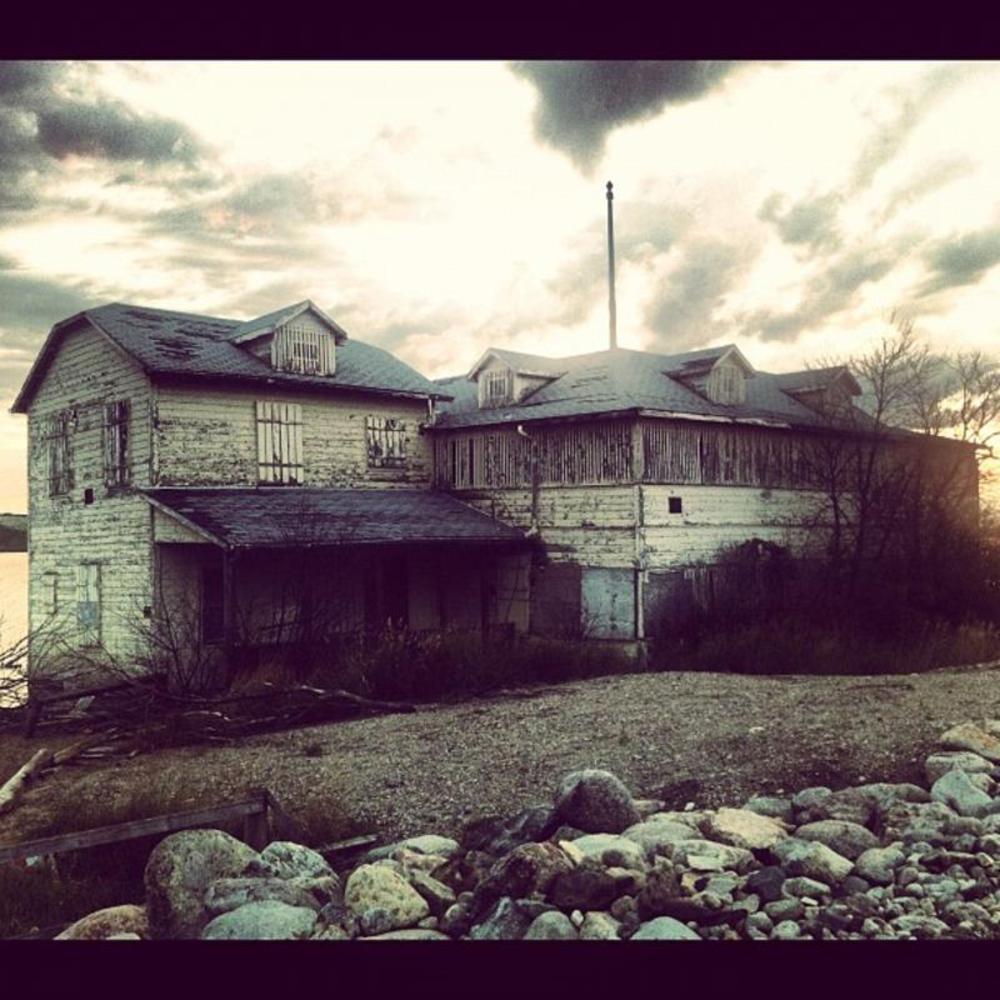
(12, 789)
(136, 828)
(347, 846)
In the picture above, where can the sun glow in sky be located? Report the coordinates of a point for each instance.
(435, 209)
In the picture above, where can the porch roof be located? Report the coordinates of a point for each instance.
(295, 516)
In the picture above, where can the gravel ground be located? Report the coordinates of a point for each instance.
(714, 739)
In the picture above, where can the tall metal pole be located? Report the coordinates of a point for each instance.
(611, 269)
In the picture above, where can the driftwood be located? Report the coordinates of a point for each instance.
(11, 791)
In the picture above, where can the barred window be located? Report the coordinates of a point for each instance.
(303, 349)
(60, 454)
(496, 388)
(279, 442)
(116, 463)
(88, 602)
(386, 440)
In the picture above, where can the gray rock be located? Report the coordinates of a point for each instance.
(437, 895)
(379, 887)
(745, 828)
(428, 843)
(854, 883)
(815, 860)
(657, 837)
(587, 887)
(596, 802)
(760, 922)
(787, 930)
(969, 736)
(772, 806)
(113, 922)
(958, 790)
(226, 894)
(785, 909)
(179, 871)
(800, 886)
(409, 934)
(939, 764)
(646, 807)
(848, 839)
(598, 926)
(919, 925)
(991, 823)
(808, 797)
(706, 855)
(505, 922)
(665, 929)
(767, 882)
(500, 836)
(264, 920)
(551, 926)
(612, 850)
(878, 864)
(911, 822)
(283, 859)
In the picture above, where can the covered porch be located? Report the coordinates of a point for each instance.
(246, 569)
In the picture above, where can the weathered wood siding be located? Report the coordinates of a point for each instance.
(208, 437)
(498, 457)
(114, 530)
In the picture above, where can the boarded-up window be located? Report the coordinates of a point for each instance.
(385, 438)
(726, 385)
(116, 463)
(496, 388)
(608, 603)
(60, 454)
(303, 349)
(279, 442)
(88, 602)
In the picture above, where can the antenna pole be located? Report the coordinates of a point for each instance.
(611, 269)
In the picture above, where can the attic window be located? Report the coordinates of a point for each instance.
(726, 385)
(303, 349)
(496, 388)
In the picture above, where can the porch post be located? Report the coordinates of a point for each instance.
(229, 606)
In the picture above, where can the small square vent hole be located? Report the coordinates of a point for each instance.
(675, 505)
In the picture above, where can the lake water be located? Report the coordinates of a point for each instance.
(13, 597)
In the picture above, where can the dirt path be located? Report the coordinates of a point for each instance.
(435, 770)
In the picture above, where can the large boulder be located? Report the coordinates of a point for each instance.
(551, 926)
(528, 869)
(179, 870)
(657, 837)
(379, 887)
(596, 802)
(113, 921)
(611, 850)
(283, 859)
(878, 864)
(264, 920)
(226, 894)
(962, 792)
(939, 764)
(708, 856)
(848, 839)
(590, 886)
(745, 828)
(912, 822)
(969, 736)
(815, 860)
(665, 929)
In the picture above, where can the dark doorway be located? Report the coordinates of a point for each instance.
(396, 590)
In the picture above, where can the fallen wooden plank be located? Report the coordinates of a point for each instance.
(351, 844)
(134, 829)
(14, 786)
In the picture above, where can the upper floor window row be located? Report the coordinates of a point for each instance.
(279, 443)
(303, 349)
(116, 469)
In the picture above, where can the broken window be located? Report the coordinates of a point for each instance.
(304, 350)
(60, 454)
(116, 465)
(279, 442)
(496, 388)
(386, 441)
(88, 602)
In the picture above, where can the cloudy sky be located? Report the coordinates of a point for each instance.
(438, 208)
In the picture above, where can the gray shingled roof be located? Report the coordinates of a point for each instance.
(168, 343)
(301, 516)
(622, 380)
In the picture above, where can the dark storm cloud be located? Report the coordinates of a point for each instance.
(47, 115)
(830, 292)
(580, 103)
(810, 223)
(680, 314)
(960, 261)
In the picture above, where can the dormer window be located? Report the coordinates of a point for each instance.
(496, 387)
(305, 349)
(726, 384)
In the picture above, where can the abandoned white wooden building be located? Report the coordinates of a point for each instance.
(254, 479)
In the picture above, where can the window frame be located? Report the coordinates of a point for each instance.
(61, 476)
(116, 444)
(489, 380)
(88, 602)
(279, 434)
(385, 441)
